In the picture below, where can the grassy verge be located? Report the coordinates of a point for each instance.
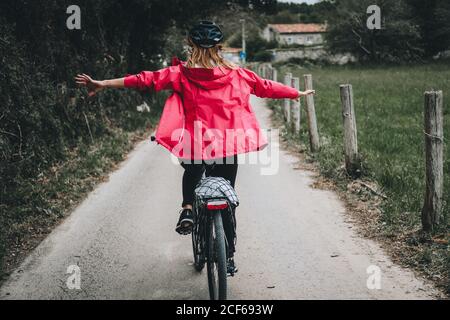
(48, 198)
(389, 113)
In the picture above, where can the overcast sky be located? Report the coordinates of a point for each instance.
(300, 1)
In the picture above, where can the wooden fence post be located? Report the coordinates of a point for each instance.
(295, 107)
(287, 102)
(352, 161)
(264, 70)
(434, 155)
(311, 114)
(269, 71)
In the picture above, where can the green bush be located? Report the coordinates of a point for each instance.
(263, 56)
(43, 115)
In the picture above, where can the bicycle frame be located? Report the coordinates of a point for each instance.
(202, 218)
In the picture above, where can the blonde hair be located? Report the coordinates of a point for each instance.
(207, 57)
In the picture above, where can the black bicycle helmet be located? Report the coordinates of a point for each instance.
(206, 34)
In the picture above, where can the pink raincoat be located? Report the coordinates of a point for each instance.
(208, 115)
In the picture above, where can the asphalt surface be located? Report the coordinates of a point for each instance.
(294, 242)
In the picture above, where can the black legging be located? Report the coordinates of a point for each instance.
(193, 172)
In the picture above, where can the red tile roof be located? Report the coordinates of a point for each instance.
(299, 28)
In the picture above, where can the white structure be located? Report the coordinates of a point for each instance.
(232, 54)
(295, 33)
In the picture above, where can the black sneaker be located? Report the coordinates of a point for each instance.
(231, 267)
(185, 223)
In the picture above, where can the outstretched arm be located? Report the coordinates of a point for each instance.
(95, 86)
(164, 79)
(265, 88)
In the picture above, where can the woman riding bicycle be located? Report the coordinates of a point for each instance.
(208, 118)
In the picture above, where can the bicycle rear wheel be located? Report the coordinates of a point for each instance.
(217, 259)
(198, 247)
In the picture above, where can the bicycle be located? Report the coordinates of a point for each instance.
(214, 231)
(214, 235)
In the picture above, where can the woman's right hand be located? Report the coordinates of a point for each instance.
(305, 93)
(92, 85)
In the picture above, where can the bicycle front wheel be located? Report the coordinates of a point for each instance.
(217, 259)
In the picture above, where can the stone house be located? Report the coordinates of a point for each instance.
(307, 34)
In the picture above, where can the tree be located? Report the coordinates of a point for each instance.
(433, 18)
(398, 40)
(301, 12)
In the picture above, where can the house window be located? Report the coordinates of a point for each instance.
(289, 40)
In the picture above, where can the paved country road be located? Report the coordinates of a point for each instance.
(293, 241)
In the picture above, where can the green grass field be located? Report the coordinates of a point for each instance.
(389, 114)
